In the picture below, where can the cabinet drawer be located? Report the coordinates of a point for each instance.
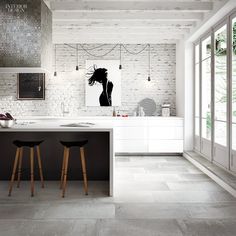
(165, 122)
(130, 123)
(165, 133)
(130, 133)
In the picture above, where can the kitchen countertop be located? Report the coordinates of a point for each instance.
(57, 125)
(94, 117)
(98, 123)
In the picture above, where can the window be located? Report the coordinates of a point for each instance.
(206, 89)
(220, 88)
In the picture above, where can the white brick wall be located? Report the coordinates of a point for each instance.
(69, 85)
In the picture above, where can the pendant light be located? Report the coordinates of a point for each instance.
(55, 54)
(77, 59)
(120, 66)
(149, 63)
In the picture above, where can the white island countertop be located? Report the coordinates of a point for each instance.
(55, 125)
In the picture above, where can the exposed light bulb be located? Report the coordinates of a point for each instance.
(120, 67)
(77, 68)
(149, 78)
(55, 73)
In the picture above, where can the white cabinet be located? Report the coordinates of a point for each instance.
(130, 135)
(149, 135)
(165, 135)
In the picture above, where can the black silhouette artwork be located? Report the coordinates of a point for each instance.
(100, 75)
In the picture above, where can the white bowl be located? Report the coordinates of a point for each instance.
(7, 123)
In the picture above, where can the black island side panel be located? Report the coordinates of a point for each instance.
(96, 154)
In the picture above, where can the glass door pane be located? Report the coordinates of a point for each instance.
(196, 99)
(234, 84)
(220, 87)
(206, 89)
(233, 97)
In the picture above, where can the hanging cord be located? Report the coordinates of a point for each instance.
(149, 63)
(121, 45)
(55, 55)
(120, 66)
(135, 53)
(105, 54)
(96, 47)
(77, 58)
(91, 54)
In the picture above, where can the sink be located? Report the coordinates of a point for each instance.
(82, 124)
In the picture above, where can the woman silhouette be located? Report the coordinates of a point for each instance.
(100, 75)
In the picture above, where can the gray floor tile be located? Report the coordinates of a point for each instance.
(213, 211)
(194, 186)
(192, 196)
(79, 210)
(130, 186)
(139, 228)
(191, 176)
(48, 228)
(208, 227)
(151, 211)
(134, 196)
(163, 195)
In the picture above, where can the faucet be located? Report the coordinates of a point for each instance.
(64, 109)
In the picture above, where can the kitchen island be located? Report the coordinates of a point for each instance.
(99, 150)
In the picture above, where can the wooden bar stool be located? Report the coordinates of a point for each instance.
(18, 162)
(67, 146)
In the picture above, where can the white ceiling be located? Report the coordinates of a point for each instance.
(127, 21)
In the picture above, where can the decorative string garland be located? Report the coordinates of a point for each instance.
(87, 50)
(112, 49)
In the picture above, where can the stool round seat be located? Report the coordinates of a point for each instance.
(20, 143)
(69, 144)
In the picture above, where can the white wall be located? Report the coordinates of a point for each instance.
(184, 89)
(180, 78)
(189, 98)
(69, 85)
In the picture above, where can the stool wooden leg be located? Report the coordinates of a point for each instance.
(14, 170)
(65, 171)
(84, 170)
(19, 167)
(32, 170)
(40, 166)
(63, 167)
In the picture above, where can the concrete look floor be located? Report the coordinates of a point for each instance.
(163, 195)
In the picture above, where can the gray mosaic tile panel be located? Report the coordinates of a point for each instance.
(20, 33)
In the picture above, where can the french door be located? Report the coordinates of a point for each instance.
(233, 92)
(206, 77)
(215, 94)
(220, 144)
